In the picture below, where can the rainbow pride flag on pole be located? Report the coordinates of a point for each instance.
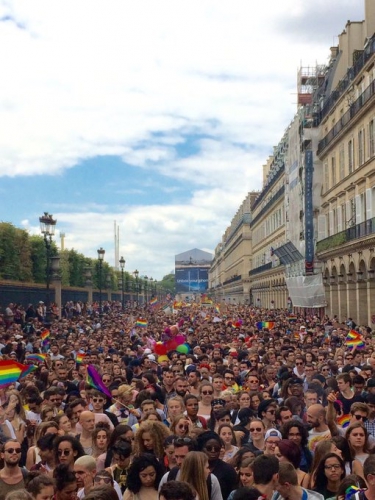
(10, 371)
(80, 357)
(153, 301)
(354, 340)
(265, 324)
(93, 379)
(36, 356)
(44, 336)
(29, 369)
(141, 323)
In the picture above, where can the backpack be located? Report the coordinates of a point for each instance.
(173, 474)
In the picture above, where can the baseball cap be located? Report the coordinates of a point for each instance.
(147, 351)
(151, 357)
(272, 433)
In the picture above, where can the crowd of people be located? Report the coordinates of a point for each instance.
(252, 404)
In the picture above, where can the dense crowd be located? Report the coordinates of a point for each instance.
(193, 402)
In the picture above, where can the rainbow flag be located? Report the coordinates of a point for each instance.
(292, 319)
(353, 335)
(29, 369)
(80, 357)
(344, 421)
(355, 344)
(141, 323)
(217, 309)
(10, 371)
(265, 324)
(44, 336)
(153, 301)
(36, 356)
(93, 379)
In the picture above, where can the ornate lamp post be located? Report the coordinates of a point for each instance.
(47, 228)
(122, 267)
(101, 253)
(136, 274)
(145, 288)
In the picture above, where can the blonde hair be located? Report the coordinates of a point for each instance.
(193, 473)
(158, 431)
(175, 421)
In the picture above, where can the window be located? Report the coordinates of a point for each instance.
(333, 170)
(361, 147)
(326, 177)
(342, 161)
(371, 130)
(351, 155)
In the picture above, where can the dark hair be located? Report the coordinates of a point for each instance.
(76, 445)
(122, 448)
(264, 468)
(36, 480)
(246, 493)
(351, 480)
(343, 445)
(369, 465)
(302, 429)
(140, 463)
(105, 492)
(63, 476)
(46, 441)
(236, 460)
(291, 451)
(177, 490)
(320, 476)
(185, 441)
(206, 436)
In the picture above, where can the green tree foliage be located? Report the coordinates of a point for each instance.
(15, 253)
(168, 283)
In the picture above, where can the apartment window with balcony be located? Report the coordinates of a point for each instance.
(371, 138)
(333, 170)
(326, 176)
(351, 155)
(361, 147)
(342, 161)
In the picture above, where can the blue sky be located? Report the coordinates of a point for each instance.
(158, 115)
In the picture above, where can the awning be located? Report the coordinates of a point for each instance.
(288, 253)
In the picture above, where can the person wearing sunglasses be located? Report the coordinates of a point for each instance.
(206, 394)
(11, 475)
(210, 443)
(66, 450)
(267, 412)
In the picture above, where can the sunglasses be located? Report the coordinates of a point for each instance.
(229, 378)
(207, 393)
(107, 480)
(64, 453)
(256, 429)
(271, 411)
(13, 450)
(213, 448)
(299, 364)
(182, 441)
(359, 417)
(97, 400)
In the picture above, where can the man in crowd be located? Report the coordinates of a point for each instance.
(12, 477)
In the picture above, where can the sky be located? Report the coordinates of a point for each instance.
(156, 114)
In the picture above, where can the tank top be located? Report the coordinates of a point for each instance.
(6, 488)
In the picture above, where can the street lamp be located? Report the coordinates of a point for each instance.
(122, 267)
(47, 228)
(101, 253)
(145, 288)
(136, 274)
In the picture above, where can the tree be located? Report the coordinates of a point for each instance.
(15, 253)
(168, 283)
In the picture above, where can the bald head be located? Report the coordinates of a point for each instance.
(87, 421)
(316, 415)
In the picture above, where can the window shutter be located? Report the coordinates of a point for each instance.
(349, 214)
(358, 211)
(368, 204)
(322, 229)
(339, 219)
(330, 215)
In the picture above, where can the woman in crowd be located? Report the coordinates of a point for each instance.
(218, 417)
(206, 391)
(33, 457)
(143, 479)
(175, 407)
(255, 400)
(228, 437)
(180, 426)
(195, 471)
(329, 474)
(47, 457)
(242, 429)
(297, 432)
(67, 449)
(245, 475)
(322, 449)
(357, 437)
(257, 432)
(66, 484)
(150, 439)
(210, 443)
(15, 414)
(100, 438)
(41, 486)
(243, 399)
(65, 426)
(169, 458)
(241, 455)
(288, 451)
(121, 431)
(351, 466)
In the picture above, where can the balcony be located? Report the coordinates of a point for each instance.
(274, 198)
(347, 117)
(267, 188)
(260, 269)
(232, 280)
(361, 230)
